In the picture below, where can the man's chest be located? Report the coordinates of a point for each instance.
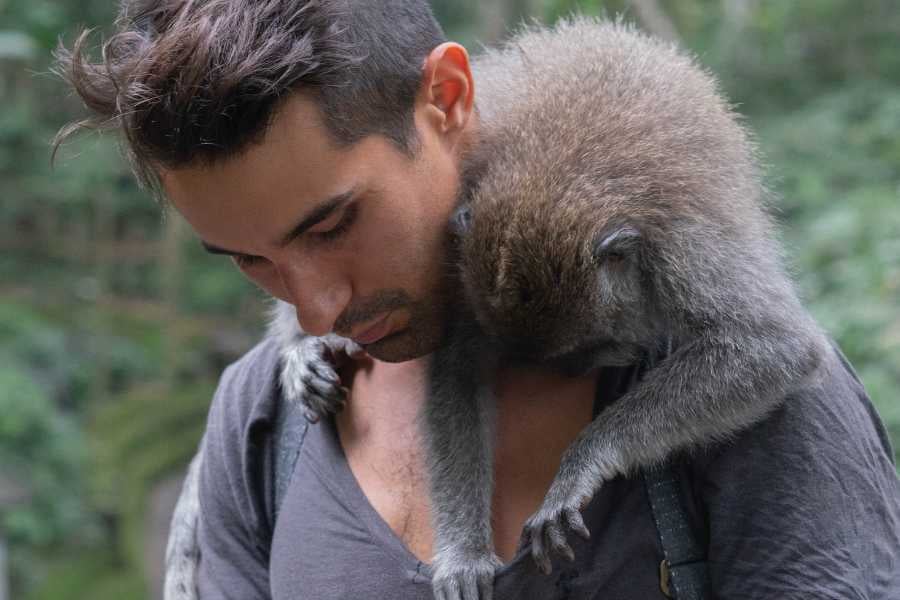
(392, 476)
(333, 541)
(536, 418)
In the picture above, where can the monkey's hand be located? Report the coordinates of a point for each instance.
(309, 373)
(459, 575)
(546, 529)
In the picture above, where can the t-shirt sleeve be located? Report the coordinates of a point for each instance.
(233, 564)
(807, 503)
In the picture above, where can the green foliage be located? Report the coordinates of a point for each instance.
(110, 345)
(42, 450)
(146, 435)
(563, 8)
(845, 223)
(96, 575)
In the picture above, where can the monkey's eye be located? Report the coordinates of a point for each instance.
(461, 221)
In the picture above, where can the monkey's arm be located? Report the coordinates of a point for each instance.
(458, 430)
(707, 390)
(308, 374)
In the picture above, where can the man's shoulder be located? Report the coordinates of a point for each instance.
(240, 417)
(233, 484)
(829, 418)
(231, 490)
(810, 489)
(247, 388)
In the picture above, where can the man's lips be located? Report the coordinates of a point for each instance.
(373, 333)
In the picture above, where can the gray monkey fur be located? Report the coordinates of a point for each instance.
(616, 212)
(308, 374)
(182, 553)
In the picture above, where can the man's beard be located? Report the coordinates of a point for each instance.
(420, 336)
(425, 328)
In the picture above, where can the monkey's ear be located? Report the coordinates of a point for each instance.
(617, 243)
(461, 221)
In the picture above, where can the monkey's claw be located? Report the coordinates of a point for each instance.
(546, 532)
(309, 376)
(464, 577)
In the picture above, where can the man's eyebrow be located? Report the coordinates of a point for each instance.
(315, 216)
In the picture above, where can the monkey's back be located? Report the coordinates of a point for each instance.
(593, 122)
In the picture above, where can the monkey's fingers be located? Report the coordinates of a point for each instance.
(576, 523)
(470, 589)
(448, 590)
(309, 414)
(539, 552)
(324, 404)
(556, 540)
(337, 350)
(353, 350)
(323, 382)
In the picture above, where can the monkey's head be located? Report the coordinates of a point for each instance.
(544, 279)
(612, 200)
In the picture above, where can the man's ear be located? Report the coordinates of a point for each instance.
(617, 243)
(447, 88)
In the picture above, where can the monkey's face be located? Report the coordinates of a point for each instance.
(550, 280)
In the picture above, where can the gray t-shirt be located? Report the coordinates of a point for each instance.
(804, 505)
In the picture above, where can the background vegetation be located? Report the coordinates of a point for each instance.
(114, 324)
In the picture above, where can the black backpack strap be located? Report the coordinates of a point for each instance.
(287, 438)
(683, 572)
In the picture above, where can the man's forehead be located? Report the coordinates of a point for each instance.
(296, 156)
(305, 221)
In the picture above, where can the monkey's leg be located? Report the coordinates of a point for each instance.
(309, 376)
(459, 432)
(182, 554)
(706, 390)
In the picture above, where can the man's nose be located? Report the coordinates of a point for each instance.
(318, 293)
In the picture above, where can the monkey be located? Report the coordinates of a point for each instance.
(616, 215)
(308, 364)
(182, 554)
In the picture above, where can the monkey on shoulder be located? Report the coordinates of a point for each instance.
(614, 215)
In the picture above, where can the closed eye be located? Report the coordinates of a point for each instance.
(340, 228)
(245, 261)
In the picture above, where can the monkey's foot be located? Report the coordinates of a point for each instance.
(546, 530)
(461, 576)
(309, 376)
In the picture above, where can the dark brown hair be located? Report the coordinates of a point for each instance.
(196, 81)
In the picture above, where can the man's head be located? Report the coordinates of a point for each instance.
(319, 142)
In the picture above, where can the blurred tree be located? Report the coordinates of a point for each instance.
(101, 299)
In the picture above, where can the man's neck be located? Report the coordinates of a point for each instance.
(390, 396)
(386, 398)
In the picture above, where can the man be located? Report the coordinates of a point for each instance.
(319, 144)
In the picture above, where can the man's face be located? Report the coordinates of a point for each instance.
(354, 238)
